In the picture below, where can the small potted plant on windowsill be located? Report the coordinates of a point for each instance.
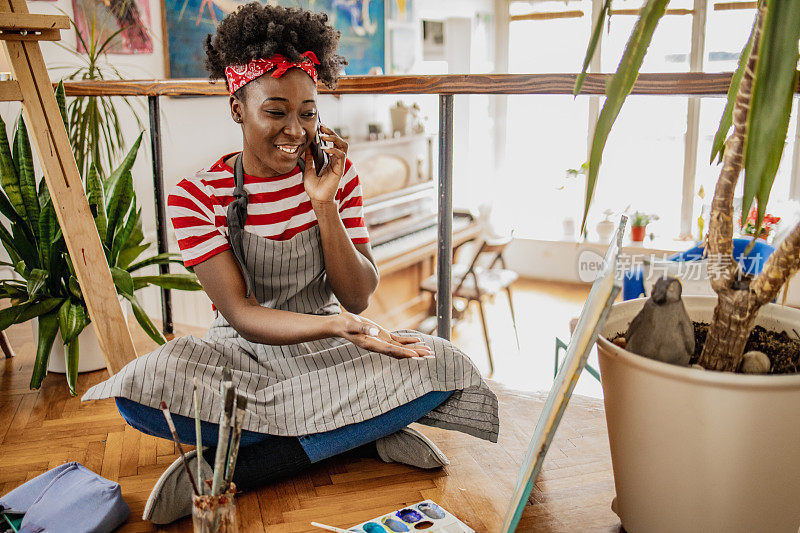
(639, 222)
(751, 228)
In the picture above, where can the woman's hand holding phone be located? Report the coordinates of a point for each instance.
(323, 187)
(366, 334)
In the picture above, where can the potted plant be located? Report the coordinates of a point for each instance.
(605, 227)
(752, 229)
(48, 288)
(713, 450)
(639, 222)
(94, 126)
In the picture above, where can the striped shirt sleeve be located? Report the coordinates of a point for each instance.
(191, 210)
(351, 205)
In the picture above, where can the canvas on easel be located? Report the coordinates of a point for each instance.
(20, 33)
(595, 311)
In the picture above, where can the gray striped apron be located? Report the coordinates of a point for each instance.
(304, 388)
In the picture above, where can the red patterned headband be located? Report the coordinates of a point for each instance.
(240, 75)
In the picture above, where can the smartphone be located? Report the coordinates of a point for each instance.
(321, 158)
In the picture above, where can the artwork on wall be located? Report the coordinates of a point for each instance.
(189, 21)
(108, 16)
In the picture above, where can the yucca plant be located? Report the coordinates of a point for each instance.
(34, 242)
(758, 108)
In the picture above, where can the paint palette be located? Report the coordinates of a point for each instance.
(425, 516)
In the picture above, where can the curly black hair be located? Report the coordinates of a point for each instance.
(257, 31)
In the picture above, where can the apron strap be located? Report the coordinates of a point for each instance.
(237, 216)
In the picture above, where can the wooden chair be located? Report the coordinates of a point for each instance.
(475, 283)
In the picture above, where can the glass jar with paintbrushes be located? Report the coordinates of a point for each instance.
(213, 509)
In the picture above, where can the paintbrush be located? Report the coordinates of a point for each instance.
(223, 438)
(241, 405)
(330, 528)
(198, 437)
(180, 448)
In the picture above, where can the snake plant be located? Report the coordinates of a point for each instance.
(35, 244)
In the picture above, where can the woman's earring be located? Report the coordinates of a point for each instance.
(238, 119)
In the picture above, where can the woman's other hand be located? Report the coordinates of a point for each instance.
(323, 188)
(366, 334)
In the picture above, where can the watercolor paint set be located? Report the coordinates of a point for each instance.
(423, 516)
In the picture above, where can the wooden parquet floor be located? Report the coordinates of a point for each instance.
(42, 429)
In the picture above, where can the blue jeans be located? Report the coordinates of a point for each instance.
(317, 446)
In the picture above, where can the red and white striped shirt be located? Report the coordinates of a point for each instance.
(278, 208)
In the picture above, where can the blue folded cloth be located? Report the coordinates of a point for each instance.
(69, 498)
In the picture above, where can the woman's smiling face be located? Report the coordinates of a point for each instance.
(279, 120)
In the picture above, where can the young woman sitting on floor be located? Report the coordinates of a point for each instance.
(284, 255)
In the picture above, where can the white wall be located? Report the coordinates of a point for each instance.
(197, 131)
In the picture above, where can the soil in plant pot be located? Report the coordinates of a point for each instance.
(783, 350)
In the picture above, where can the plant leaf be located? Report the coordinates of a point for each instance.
(25, 311)
(27, 251)
(118, 205)
(75, 287)
(15, 158)
(111, 183)
(122, 280)
(97, 201)
(72, 319)
(8, 316)
(160, 259)
(128, 255)
(12, 291)
(718, 148)
(48, 327)
(598, 29)
(38, 308)
(771, 104)
(16, 221)
(47, 217)
(181, 282)
(27, 181)
(36, 281)
(9, 177)
(144, 320)
(8, 244)
(61, 99)
(71, 355)
(618, 88)
(124, 233)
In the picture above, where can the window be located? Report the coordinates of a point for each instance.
(643, 163)
(546, 134)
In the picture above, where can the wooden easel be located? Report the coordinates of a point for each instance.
(20, 32)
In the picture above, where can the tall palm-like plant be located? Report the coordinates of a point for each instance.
(95, 132)
(758, 109)
(35, 244)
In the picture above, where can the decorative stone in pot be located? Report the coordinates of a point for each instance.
(696, 450)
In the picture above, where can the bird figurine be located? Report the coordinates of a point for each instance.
(662, 330)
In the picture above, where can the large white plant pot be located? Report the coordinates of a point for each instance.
(90, 357)
(697, 450)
